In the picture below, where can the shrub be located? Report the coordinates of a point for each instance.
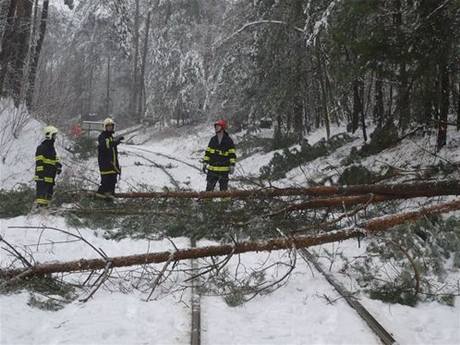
(289, 159)
(85, 147)
(16, 202)
(356, 174)
(381, 139)
(387, 274)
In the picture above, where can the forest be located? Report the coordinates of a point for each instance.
(302, 64)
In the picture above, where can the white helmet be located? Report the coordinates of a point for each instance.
(49, 131)
(108, 121)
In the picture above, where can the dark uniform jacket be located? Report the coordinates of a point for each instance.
(46, 162)
(108, 154)
(220, 157)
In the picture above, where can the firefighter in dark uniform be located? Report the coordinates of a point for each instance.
(220, 158)
(109, 166)
(47, 166)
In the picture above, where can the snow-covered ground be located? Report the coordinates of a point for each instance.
(110, 318)
(297, 313)
(427, 323)
(20, 135)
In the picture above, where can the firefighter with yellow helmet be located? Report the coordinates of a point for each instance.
(109, 166)
(47, 166)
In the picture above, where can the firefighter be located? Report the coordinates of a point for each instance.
(47, 166)
(109, 166)
(220, 158)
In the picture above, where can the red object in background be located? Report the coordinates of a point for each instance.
(76, 131)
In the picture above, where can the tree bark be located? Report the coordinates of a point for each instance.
(35, 24)
(8, 47)
(403, 98)
(22, 35)
(135, 82)
(402, 101)
(356, 106)
(458, 108)
(141, 102)
(348, 201)
(325, 109)
(195, 8)
(36, 54)
(4, 9)
(443, 104)
(371, 227)
(379, 111)
(428, 93)
(107, 92)
(433, 188)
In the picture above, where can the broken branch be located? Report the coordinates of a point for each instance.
(372, 226)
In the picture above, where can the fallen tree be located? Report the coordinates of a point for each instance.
(428, 188)
(369, 227)
(347, 201)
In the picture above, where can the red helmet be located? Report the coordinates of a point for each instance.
(221, 123)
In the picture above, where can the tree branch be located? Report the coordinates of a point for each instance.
(370, 227)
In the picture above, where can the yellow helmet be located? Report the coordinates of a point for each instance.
(108, 121)
(49, 131)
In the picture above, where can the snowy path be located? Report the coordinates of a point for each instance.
(146, 165)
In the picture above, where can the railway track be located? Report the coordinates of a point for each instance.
(385, 337)
(195, 333)
(195, 325)
(195, 298)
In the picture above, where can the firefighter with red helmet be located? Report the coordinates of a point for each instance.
(220, 158)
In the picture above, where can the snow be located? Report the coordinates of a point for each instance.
(411, 154)
(296, 313)
(427, 323)
(20, 136)
(110, 318)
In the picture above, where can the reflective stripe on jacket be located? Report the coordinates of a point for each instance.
(46, 162)
(107, 154)
(220, 156)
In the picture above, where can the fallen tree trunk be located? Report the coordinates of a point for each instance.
(342, 201)
(117, 211)
(372, 226)
(429, 188)
(347, 201)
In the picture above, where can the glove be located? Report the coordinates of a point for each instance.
(118, 140)
(58, 168)
(205, 168)
(232, 170)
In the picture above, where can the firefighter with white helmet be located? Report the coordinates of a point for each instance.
(47, 166)
(109, 166)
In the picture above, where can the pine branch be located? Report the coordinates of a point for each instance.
(371, 227)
